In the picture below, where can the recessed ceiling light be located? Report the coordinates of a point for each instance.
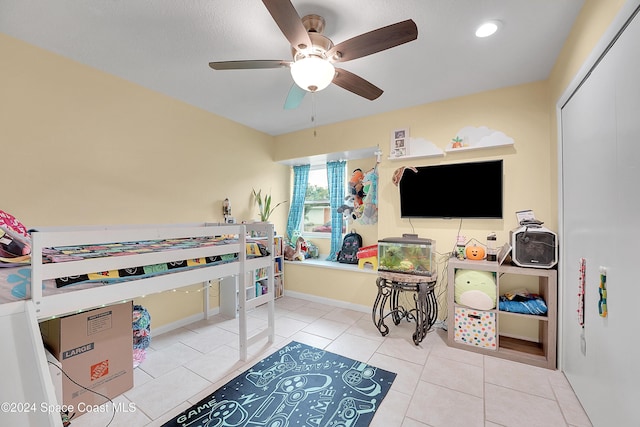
(487, 29)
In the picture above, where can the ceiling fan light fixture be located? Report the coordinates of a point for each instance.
(487, 29)
(312, 73)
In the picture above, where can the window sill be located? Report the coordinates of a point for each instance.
(323, 263)
(310, 235)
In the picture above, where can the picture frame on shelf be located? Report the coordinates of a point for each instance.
(399, 143)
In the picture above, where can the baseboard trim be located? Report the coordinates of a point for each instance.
(183, 322)
(300, 295)
(329, 301)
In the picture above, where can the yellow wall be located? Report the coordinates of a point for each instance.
(521, 112)
(355, 287)
(83, 147)
(527, 113)
(590, 25)
(89, 148)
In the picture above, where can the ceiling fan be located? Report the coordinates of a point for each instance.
(314, 54)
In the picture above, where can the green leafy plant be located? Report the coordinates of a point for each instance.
(264, 205)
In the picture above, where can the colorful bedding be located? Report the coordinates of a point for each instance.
(15, 279)
(115, 276)
(76, 253)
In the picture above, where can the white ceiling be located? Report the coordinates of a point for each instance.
(166, 45)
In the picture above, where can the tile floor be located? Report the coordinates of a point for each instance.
(436, 385)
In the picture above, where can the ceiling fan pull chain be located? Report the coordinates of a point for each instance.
(313, 112)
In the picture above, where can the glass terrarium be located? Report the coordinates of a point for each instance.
(408, 254)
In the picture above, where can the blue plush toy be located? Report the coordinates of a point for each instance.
(370, 186)
(367, 213)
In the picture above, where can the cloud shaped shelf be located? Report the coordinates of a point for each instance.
(473, 138)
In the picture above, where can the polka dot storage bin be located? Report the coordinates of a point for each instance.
(476, 328)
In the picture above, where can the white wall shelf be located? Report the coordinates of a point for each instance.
(417, 156)
(455, 150)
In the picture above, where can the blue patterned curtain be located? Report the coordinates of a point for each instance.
(296, 209)
(335, 178)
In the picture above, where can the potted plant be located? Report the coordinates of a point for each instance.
(264, 205)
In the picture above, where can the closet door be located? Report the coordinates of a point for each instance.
(600, 212)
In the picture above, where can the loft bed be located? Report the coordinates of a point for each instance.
(76, 268)
(223, 250)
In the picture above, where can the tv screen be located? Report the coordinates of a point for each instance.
(462, 190)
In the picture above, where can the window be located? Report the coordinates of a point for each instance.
(317, 212)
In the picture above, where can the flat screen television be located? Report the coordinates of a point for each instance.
(461, 190)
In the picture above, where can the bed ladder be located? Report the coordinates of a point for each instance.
(244, 304)
(24, 370)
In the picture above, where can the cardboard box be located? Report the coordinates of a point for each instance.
(95, 349)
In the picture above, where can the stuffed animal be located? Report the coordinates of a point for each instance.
(358, 211)
(367, 213)
(475, 289)
(289, 252)
(347, 209)
(301, 250)
(356, 187)
(370, 186)
(312, 250)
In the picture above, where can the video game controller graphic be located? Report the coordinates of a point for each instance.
(278, 406)
(349, 410)
(360, 378)
(297, 387)
(227, 413)
(262, 378)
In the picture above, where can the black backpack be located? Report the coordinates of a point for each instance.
(351, 243)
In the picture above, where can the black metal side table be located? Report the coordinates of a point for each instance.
(424, 312)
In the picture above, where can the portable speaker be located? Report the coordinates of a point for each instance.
(534, 246)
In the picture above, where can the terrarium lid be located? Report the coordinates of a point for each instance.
(407, 238)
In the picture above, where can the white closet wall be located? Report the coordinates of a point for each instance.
(600, 213)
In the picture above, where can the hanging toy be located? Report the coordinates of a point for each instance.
(356, 187)
(398, 174)
(602, 303)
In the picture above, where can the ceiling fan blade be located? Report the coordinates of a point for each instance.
(289, 22)
(374, 41)
(249, 65)
(295, 97)
(356, 84)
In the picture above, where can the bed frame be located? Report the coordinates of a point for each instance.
(84, 299)
(19, 319)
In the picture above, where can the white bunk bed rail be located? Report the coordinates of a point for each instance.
(76, 300)
(24, 333)
(99, 295)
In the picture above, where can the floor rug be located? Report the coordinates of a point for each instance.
(298, 385)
